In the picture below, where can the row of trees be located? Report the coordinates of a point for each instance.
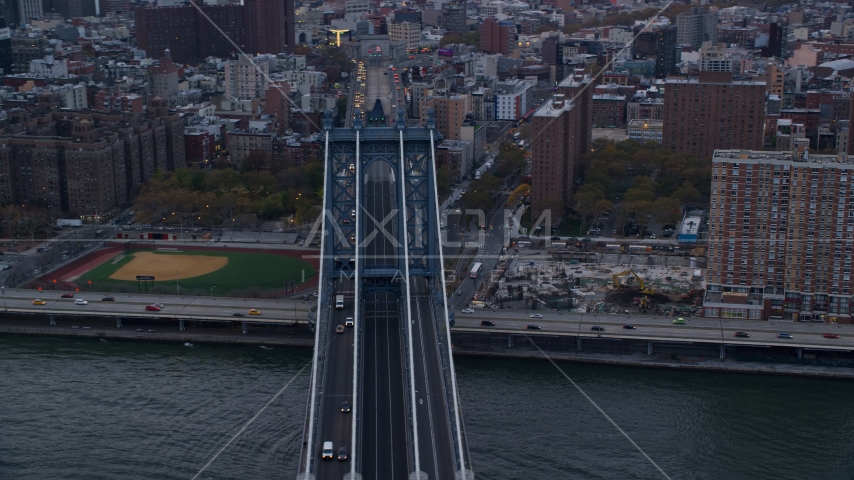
(24, 222)
(203, 197)
(652, 181)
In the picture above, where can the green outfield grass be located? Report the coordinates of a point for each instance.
(245, 273)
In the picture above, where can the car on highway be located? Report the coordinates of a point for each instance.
(679, 321)
(39, 301)
(152, 308)
(535, 315)
(254, 311)
(597, 328)
(742, 334)
(108, 299)
(586, 240)
(67, 295)
(345, 407)
(784, 335)
(80, 301)
(487, 323)
(348, 322)
(342, 454)
(629, 326)
(533, 326)
(467, 310)
(327, 452)
(555, 238)
(237, 314)
(339, 329)
(830, 335)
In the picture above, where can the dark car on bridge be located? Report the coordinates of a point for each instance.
(67, 295)
(831, 335)
(345, 407)
(487, 323)
(533, 326)
(784, 335)
(108, 299)
(152, 308)
(629, 326)
(597, 328)
(742, 334)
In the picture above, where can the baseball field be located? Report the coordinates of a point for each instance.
(199, 271)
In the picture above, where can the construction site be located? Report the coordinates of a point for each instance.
(653, 283)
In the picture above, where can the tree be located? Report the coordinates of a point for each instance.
(668, 210)
(687, 194)
(585, 202)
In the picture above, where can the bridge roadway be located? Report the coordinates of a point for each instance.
(337, 387)
(431, 406)
(384, 394)
(658, 328)
(133, 305)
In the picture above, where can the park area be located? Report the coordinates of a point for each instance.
(198, 272)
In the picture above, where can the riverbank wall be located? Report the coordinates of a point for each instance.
(305, 339)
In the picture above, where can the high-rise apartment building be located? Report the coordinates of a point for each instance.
(659, 44)
(781, 236)
(163, 77)
(554, 152)
(257, 26)
(246, 79)
(28, 10)
(276, 104)
(497, 37)
(454, 17)
(713, 111)
(5, 48)
(578, 89)
(697, 26)
(269, 26)
(450, 113)
(410, 33)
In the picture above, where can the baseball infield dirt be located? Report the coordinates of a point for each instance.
(163, 267)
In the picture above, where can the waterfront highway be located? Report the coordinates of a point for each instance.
(661, 328)
(182, 307)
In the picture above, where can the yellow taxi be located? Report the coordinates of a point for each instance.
(254, 311)
(39, 301)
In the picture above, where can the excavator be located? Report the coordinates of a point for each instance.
(641, 286)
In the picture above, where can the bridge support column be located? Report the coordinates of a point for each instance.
(509, 341)
(245, 328)
(52, 319)
(118, 322)
(800, 352)
(578, 347)
(723, 351)
(649, 347)
(181, 325)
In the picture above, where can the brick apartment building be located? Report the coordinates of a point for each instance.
(450, 113)
(258, 26)
(497, 37)
(84, 163)
(713, 111)
(553, 155)
(780, 236)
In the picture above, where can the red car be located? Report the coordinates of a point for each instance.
(152, 308)
(831, 335)
(67, 295)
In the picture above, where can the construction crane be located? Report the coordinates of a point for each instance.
(641, 285)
